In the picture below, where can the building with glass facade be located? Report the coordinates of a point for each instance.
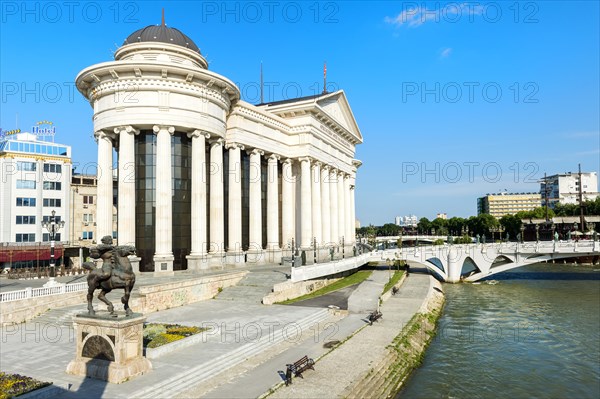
(35, 181)
(206, 179)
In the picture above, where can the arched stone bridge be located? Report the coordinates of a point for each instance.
(420, 238)
(472, 262)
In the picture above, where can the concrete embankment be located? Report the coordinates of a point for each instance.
(404, 354)
(377, 359)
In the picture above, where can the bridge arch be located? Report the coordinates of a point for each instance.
(469, 267)
(500, 260)
(437, 263)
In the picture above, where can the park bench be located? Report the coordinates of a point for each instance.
(374, 316)
(297, 368)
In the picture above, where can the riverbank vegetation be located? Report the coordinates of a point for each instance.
(353, 279)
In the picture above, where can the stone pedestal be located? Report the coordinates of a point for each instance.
(197, 262)
(255, 257)
(163, 265)
(109, 348)
(235, 258)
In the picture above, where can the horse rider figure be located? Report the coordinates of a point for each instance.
(106, 252)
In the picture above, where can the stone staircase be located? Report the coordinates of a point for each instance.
(60, 317)
(253, 287)
(175, 385)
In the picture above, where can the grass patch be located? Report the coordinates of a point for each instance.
(12, 385)
(393, 281)
(355, 278)
(157, 334)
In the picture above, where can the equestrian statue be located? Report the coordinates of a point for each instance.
(116, 272)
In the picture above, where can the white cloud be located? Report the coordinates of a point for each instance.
(445, 53)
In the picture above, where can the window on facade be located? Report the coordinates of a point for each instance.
(52, 185)
(48, 219)
(46, 237)
(87, 235)
(88, 199)
(25, 237)
(25, 219)
(114, 235)
(52, 168)
(24, 201)
(25, 183)
(88, 218)
(52, 202)
(28, 166)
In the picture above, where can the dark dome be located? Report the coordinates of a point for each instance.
(162, 34)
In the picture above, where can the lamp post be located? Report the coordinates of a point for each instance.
(537, 233)
(315, 249)
(522, 232)
(52, 226)
(343, 252)
(553, 228)
(293, 253)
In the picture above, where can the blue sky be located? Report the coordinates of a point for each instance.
(454, 99)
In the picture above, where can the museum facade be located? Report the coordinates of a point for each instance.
(205, 178)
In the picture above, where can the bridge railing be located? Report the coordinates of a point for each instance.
(29, 292)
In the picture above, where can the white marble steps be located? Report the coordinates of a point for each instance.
(60, 316)
(206, 370)
(253, 287)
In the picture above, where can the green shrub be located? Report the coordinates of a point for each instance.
(152, 330)
(183, 330)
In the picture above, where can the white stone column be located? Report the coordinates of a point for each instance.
(104, 218)
(348, 216)
(163, 256)
(333, 210)
(272, 203)
(198, 200)
(325, 206)
(341, 206)
(316, 202)
(255, 208)
(305, 204)
(126, 185)
(234, 224)
(353, 213)
(287, 203)
(217, 222)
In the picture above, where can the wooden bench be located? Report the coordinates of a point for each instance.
(300, 366)
(374, 316)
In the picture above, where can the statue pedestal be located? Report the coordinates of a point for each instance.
(109, 348)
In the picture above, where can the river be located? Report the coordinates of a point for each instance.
(530, 333)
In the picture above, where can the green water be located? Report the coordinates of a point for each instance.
(530, 333)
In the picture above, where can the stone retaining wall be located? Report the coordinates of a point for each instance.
(145, 299)
(405, 353)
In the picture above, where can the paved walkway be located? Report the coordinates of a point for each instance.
(244, 354)
(345, 365)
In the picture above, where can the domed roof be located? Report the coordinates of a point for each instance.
(162, 34)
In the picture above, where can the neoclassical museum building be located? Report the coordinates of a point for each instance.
(206, 179)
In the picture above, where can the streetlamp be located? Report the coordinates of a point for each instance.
(522, 232)
(315, 249)
(52, 226)
(537, 232)
(343, 252)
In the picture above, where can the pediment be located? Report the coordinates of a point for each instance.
(335, 105)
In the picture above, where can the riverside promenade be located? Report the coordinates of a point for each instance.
(243, 356)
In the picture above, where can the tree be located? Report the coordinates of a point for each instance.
(455, 225)
(389, 229)
(424, 225)
(440, 226)
(511, 224)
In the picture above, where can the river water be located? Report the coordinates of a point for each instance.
(531, 333)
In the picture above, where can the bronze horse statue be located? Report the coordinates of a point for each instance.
(116, 272)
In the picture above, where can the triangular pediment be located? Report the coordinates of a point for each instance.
(330, 106)
(335, 105)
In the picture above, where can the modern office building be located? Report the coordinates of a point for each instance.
(503, 203)
(205, 178)
(406, 221)
(564, 188)
(35, 179)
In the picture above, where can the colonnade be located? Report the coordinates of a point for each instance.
(325, 203)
